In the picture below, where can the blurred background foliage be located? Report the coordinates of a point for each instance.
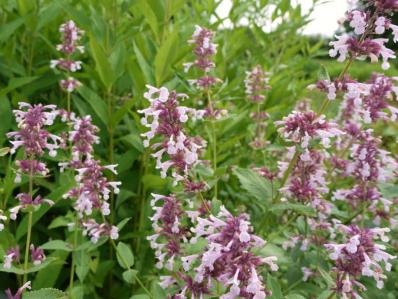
(130, 43)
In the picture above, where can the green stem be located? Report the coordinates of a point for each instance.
(29, 233)
(289, 169)
(28, 237)
(214, 140)
(72, 269)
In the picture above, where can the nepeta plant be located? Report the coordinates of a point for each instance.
(242, 189)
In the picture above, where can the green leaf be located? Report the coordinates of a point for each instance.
(294, 296)
(135, 141)
(57, 245)
(14, 83)
(326, 276)
(144, 66)
(45, 294)
(122, 223)
(274, 286)
(165, 57)
(149, 16)
(8, 29)
(120, 112)
(95, 102)
(142, 296)
(296, 207)
(124, 255)
(104, 68)
(129, 276)
(4, 151)
(254, 184)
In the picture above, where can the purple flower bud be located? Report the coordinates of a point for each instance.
(18, 294)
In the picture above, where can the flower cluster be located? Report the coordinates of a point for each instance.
(93, 188)
(366, 25)
(169, 233)
(304, 127)
(35, 139)
(371, 101)
(70, 44)
(13, 255)
(227, 257)
(359, 256)
(204, 51)
(166, 118)
(25, 201)
(256, 84)
(95, 230)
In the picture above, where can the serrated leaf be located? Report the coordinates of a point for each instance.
(254, 184)
(124, 255)
(45, 294)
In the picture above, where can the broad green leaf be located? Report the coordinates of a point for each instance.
(130, 275)
(8, 29)
(104, 68)
(144, 65)
(298, 208)
(45, 294)
(165, 57)
(274, 286)
(95, 102)
(135, 141)
(14, 83)
(57, 245)
(142, 296)
(121, 112)
(124, 255)
(254, 184)
(143, 7)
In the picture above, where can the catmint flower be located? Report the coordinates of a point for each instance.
(303, 127)
(93, 188)
(67, 65)
(71, 35)
(31, 135)
(166, 118)
(372, 48)
(70, 84)
(18, 294)
(37, 255)
(307, 273)
(358, 21)
(167, 225)
(25, 200)
(11, 256)
(385, 5)
(70, 38)
(228, 257)
(204, 51)
(2, 218)
(95, 230)
(359, 256)
(256, 83)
